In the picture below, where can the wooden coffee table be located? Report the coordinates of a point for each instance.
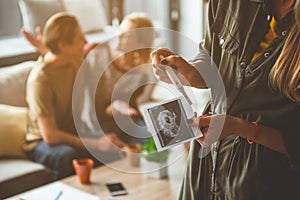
(138, 185)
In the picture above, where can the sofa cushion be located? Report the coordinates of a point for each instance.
(90, 14)
(13, 83)
(20, 175)
(12, 130)
(36, 12)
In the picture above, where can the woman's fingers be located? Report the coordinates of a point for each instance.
(158, 54)
(201, 121)
(159, 57)
(38, 32)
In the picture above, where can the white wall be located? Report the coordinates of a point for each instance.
(10, 18)
(191, 26)
(156, 9)
(184, 41)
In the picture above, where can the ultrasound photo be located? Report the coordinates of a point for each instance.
(170, 123)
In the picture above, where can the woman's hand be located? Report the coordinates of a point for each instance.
(216, 127)
(186, 72)
(36, 41)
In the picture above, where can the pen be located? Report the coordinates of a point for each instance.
(59, 195)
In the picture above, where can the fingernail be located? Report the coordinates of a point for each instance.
(190, 121)
(164, 62)
(204, 129)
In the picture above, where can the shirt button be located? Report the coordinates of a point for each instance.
(283, 33)
(243, 65)
(221, 42)
(266, 54)
(215, 148)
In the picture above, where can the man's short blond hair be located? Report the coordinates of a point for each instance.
(60, 27)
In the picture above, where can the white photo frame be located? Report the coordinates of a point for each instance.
(167, 122)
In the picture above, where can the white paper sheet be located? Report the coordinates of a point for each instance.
(52, 192)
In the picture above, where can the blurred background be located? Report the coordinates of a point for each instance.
(186, 17)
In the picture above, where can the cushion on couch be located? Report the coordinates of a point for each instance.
(91, 14)
(12, 131)
(13, 83)
(36, 12)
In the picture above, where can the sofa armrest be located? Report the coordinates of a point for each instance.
(17, 175)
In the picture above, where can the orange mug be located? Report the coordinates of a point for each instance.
(83, 168)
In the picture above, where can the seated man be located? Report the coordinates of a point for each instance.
(127, 63)
(52, 135)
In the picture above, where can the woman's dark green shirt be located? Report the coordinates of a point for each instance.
(233, 169)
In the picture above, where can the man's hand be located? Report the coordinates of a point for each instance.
(110, 142)
(122, 108)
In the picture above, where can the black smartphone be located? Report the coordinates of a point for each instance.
(116, 188)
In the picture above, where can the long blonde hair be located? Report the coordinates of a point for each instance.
(297, 13)
(144, 36)
(285, 74)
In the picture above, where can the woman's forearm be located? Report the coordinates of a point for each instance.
(263, 135)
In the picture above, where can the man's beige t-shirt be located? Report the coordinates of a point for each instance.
(49, 94)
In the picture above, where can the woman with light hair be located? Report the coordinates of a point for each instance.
(250, 143)
(130, 49)
(126, 66)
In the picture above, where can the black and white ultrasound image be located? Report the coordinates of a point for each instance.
(170, 123)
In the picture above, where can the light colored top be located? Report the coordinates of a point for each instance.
(49, 94)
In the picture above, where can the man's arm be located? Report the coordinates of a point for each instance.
(52, 135)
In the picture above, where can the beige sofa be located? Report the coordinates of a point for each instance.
(17, 173)
(94, 17)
